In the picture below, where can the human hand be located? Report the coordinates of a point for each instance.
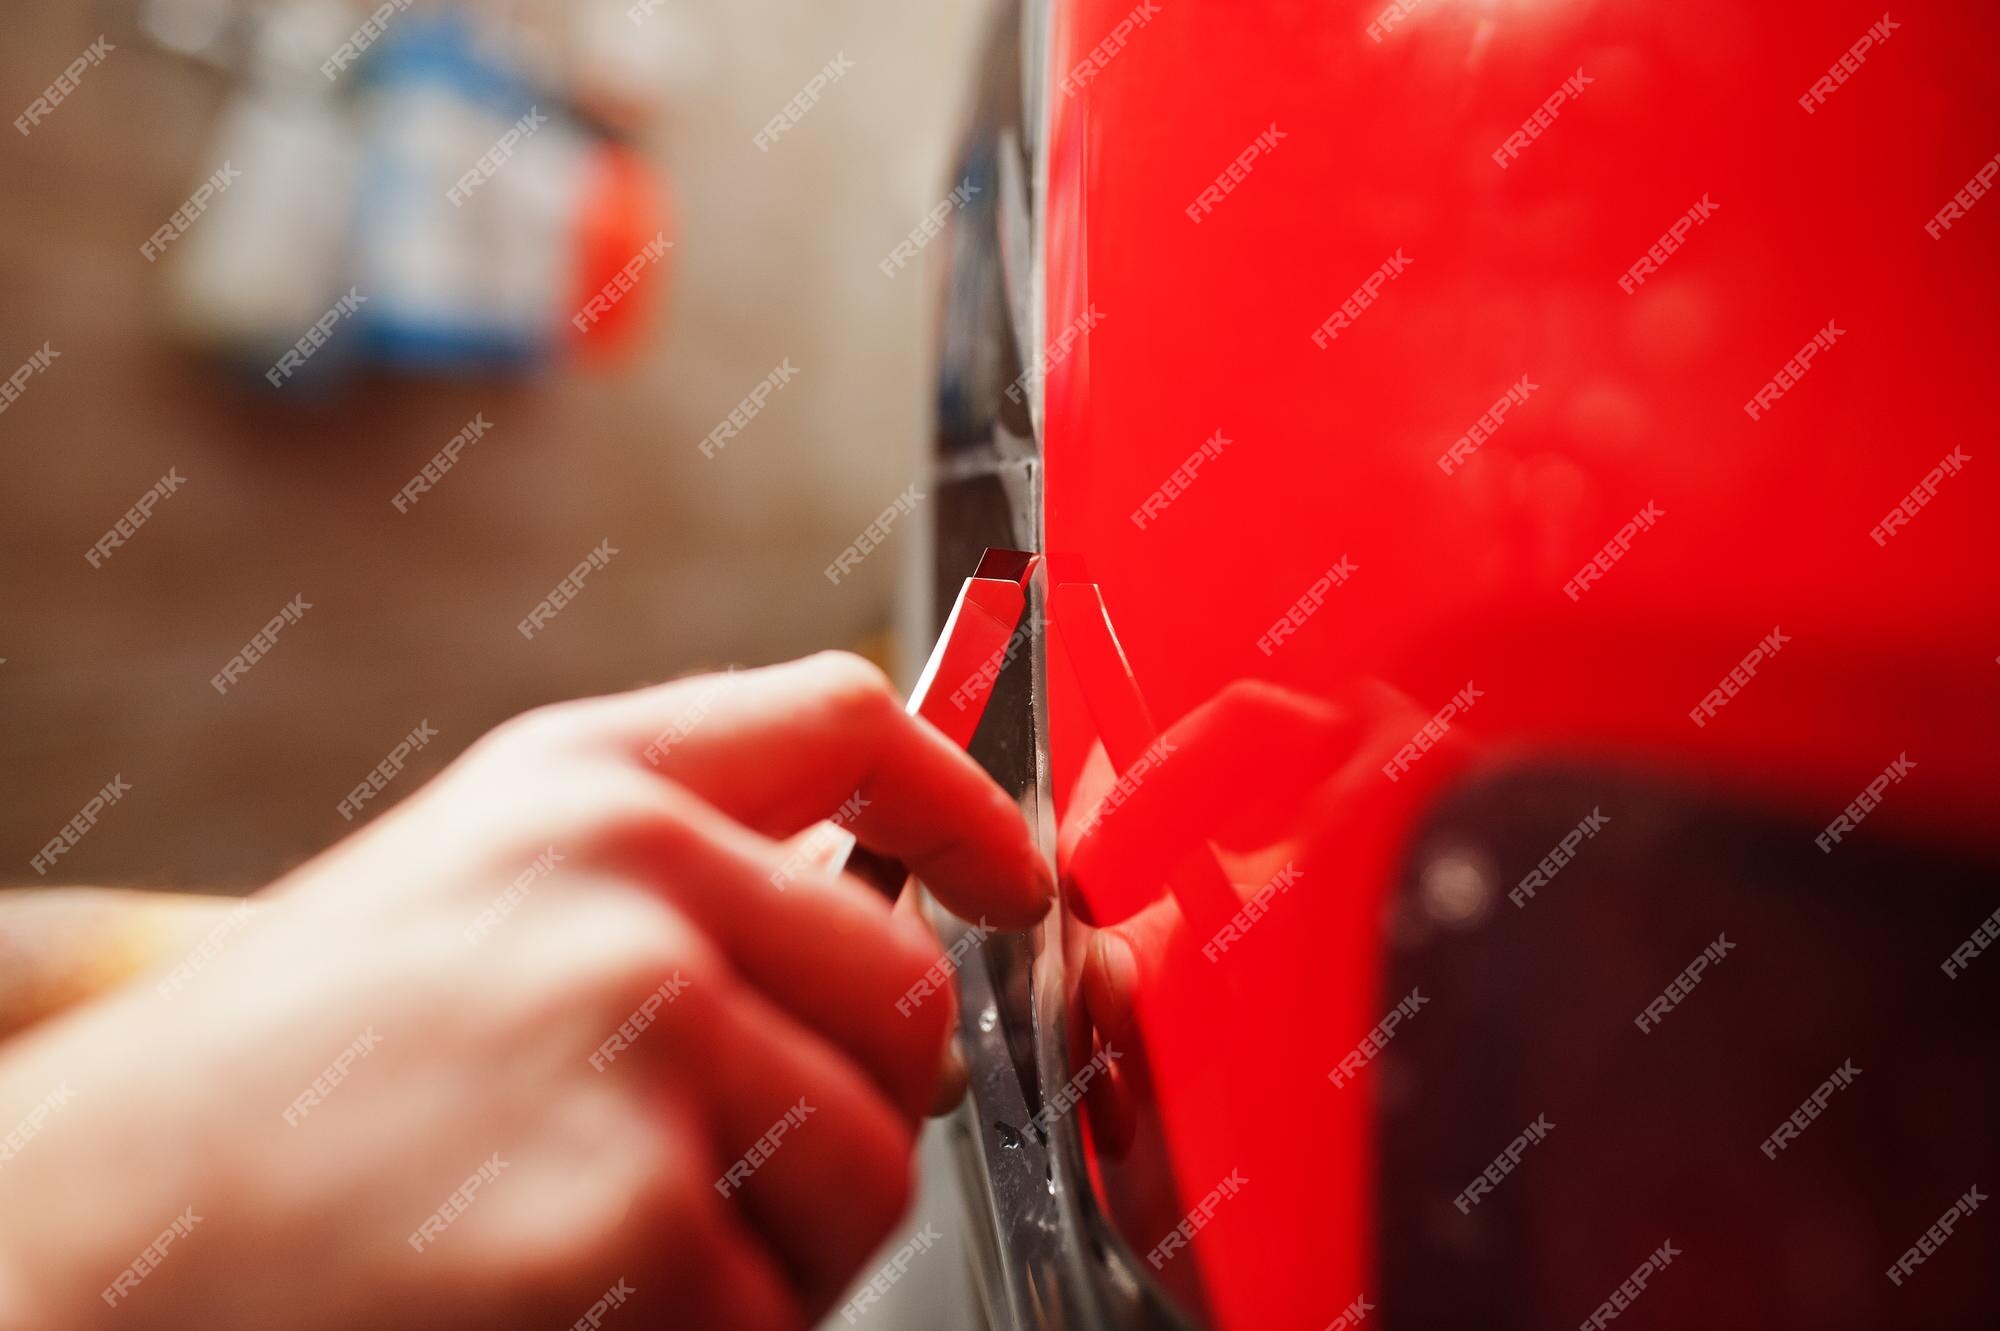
(491, 1058)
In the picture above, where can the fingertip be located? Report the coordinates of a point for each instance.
(1013, 907)
(1034, 894)
(1045, 883)
(1110, 980)
(849, 680)
(953, 1077)
(1034, 880)
(982, 888)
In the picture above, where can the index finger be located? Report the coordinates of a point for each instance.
(782, 747)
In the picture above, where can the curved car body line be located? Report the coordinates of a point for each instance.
(1491, 384)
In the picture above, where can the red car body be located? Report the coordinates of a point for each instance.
(1477, 387)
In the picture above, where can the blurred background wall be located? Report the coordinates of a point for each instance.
(106, 670)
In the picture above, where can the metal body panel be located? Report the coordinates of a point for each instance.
(1352, 299)
(1458, 389)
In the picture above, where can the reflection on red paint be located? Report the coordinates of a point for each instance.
(1510, 275)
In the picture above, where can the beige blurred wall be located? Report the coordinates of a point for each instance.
(106, 670)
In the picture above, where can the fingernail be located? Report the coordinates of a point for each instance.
(952, 1078)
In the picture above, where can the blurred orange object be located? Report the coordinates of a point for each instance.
(622, 237)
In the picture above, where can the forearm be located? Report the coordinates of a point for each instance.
(60, 946)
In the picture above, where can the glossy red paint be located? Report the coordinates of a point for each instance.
(1395, 575)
